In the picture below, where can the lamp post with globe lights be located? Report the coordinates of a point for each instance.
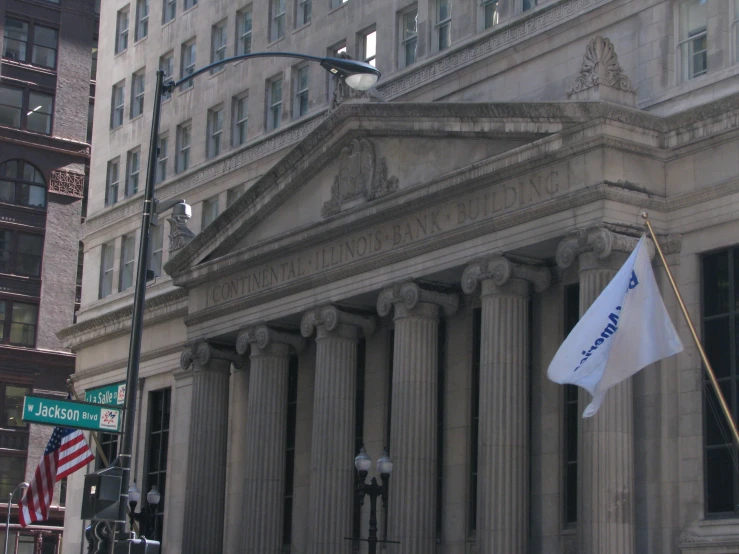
(363, 463)
(146, 519)
(20, 487)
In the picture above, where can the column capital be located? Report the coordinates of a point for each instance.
(199, 356)
(261, 336)
(602, 241)
(501, 270)
(329, 317)
(410, 294)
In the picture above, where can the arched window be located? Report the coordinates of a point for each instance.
(21, 183)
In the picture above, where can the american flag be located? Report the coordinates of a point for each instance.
(66, 452)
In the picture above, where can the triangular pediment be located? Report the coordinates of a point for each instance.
(366, 160)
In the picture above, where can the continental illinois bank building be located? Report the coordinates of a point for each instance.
(396, 269)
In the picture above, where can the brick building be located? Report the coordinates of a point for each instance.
(47, 85)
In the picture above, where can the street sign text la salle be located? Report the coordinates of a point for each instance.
(66, 413)
(113, 395)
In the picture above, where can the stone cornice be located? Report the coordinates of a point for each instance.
(104, 369)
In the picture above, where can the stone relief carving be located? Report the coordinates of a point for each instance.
(261, 336)
(601, 240)
(410, 294)
(67, 183)
(600, 67)
(179, 234)
(359, 177)
(329, 317)
(198, 355)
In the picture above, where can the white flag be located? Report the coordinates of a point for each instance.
(626, 329)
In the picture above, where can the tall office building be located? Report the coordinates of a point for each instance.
(397, 269)
(47, 85)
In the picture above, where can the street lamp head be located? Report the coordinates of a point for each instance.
(384, 465)
(153, 496)
(362, 462)
(134, 496)
(358, 75)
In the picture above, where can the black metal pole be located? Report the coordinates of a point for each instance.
(137, 322)
(374, 489)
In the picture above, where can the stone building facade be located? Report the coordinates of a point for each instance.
(397, 270)
(46, 91)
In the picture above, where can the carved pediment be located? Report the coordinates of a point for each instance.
(360, 178)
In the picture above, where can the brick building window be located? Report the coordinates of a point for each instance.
(121, 30)
(693, 45)
(128, 247)
(11, 407)
(21, 253)
(21, 183)
(18, 323)
(30, 43)
(111, 182)
(720, 282)
(243, 31)
(142, 19)
(24, 108)
(106, 269)
(94, 62)
(12, 472)
(157, 451)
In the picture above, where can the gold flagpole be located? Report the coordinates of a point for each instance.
(706, 363)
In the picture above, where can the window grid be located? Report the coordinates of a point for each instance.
(106, 269)
(277, 16)
(275, 104)
(125, 281)
(138, 85)
(240, 119)
(443, 23)
(369, 47)
(108, 444)
(142, 19)
(219, 38)
(23, 108)
(183, 147)
(410, 37)
(188, 63)
(21, 253)
(243, 32)
(133, 167)
(162, 158)
(166, 64)
(490, 13)
(31, 43)
(160, 402)
(215, 132)
(304, 12)
(187, 4)
(11, 411)
(111, 182)
(301, 91)
(169, 10)
(21, 183)
(693, 45)
(121, 31)
(18, 322)
(117, 104)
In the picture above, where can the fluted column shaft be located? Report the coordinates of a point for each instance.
(413, 428)
(605, 500)
(266, 426)
(206, 469)
(238, 414)
(332, 449)
(503, 441)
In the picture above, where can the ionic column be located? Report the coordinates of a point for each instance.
(413, 427)
(605, 442)
(206, 468)
(503, 436)
(332, 447)
(265, 429)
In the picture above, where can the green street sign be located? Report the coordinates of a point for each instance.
(112, 395)
(66, 413)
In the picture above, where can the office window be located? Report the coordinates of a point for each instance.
(18, 323)
(184, 138)
(94, 64)
(274, 104)
(187, 62)
(210, 211)
(106, 269)
(215, 132)
(292, 402)
(128, 245)
(11, 408)
(304, 12)
(571, 414)
(158, 452)
(133, 167)
(233, 194)
(187, 4)
(30, 43)
(21, 183)
(166, 64)
(218, 45)
(301, 91)
(409, 37)
(169, 10)
(720, 337)
(443, 23)
(240, 113)
(368, 43)
(277, 19)
(243, 32)
(108, 449)
(117, 101)
(490, 15)
(11, 106)
(20, 253)
(337, 3)
(121, 30)
(111, 182)
(156, 247)
(162, 158)
(12, 472)
(138, 84)
(693, 39)
(142, 19)
(40, 108)
(26, 109)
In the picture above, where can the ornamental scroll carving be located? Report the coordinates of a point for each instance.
(198, 356)
(600, 67)
(360, 177)
(67, 183)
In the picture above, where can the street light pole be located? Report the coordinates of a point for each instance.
(22, 486)
(374, 489)
(356, 74)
